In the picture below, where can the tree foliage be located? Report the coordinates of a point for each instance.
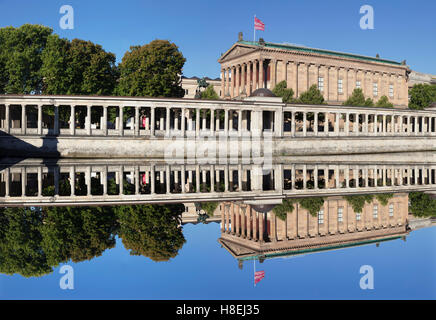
(151, 70)
(209, 207)
(281, 210)
(357, 202)
(77, 233)
(20, 58)
(421, 96)
(20, 243)
(151, 230)
(77, 67)
(383, 102)
(312, 204)
(209, 94)
(311, 96)
(422, 205)
(383, 198)
(357, 98)
(281, 90)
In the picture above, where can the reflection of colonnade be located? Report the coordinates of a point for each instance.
(247, 234)
(66, 182)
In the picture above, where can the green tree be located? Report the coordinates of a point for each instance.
(209, 94)
(421, 96)
(357, 202)
(311, 96)
(357, 98)
(383, 198)
(383, 102)
(312, 204)
(20, 58)
(422, 205)
(152, 70)
(77, 233)
(281, 90)
(209, 207)
(151, 230)
(20, 243)
(281, 210)
(78, 68)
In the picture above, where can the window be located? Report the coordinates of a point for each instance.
(358, 216)
(391, 90)
(375, 89)
(321, 216)
(340, 90)
(375, 211)
(321, 84)
(391, 210)
(340, 214)
(358, 86)
(186, 91)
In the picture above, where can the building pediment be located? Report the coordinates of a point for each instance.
(236, 51)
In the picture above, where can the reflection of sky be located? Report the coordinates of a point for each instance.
(203, 270)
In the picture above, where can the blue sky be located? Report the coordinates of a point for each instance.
(205, 29)
(204, 270)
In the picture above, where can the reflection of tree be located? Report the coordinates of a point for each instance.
(422, 205)
(77, 233)
(152, 230)
(311, 204)
(33, 241)
(20, 243)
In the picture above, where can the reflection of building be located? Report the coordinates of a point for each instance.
(193, 212)
(337, 74)
(247, 234)
(190, 86)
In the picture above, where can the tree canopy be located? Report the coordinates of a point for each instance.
(151, 230)
(421, 96)
(151, 70)
(311, 96)
(357, 98)
(209, 94)
(20, 58)
(422, 205)
(281, 90)
(77, 67)
(383, 102)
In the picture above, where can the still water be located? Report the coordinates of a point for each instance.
(140, 230)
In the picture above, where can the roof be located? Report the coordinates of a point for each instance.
(319, 51)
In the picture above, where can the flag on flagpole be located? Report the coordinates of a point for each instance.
(258, 275)
(258, 25)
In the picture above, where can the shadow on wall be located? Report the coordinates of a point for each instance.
(13, 150)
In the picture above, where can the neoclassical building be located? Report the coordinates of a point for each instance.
(263, 64)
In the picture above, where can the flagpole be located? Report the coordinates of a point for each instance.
(254, 266)
(254, 39)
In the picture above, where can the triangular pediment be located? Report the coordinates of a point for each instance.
(236, 50)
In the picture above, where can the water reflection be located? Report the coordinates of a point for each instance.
(75, 211)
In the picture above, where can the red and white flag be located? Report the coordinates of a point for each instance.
(258, 275)
(258, 25)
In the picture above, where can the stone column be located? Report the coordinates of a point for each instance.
(337, 116)
(7, 119)
(315, 123)
(255, 75)
(182, 119)
(167, 122)
(121, 125)
(212, 123)
(227, 93)
(261, 74)
(239, 122)
(39, 130)
(261, 222)
(249, 75)
(347, 124)
(153, 180)
(23, 119)
(273, 74)
(226, 122)
(304, 123)
(293, 122)
(197, 122)
(326, 123)
(203, 124)
(56, 119)
(222, 83)
(237, 81)
(88, 120)
(104, 121)
(243, 82)
(136, 127)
